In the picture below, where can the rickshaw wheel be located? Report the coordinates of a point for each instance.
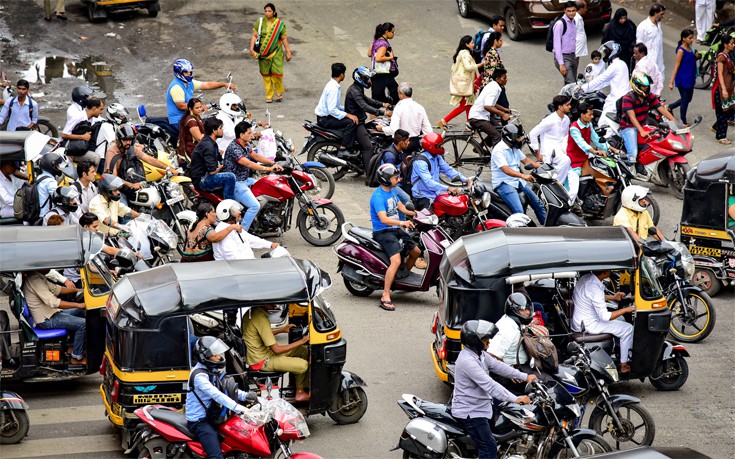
(357, 289)
(663, 381)
(354, 411)
(685, 317)
(707, 281)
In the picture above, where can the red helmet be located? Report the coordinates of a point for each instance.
(431, 142)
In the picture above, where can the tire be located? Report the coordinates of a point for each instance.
(463, 153)
(327, 146)
(155, 447)
(352, 414)
(707, 281)
(654, 209)
(19, 429)
(587, 447)
(152, 13)
(326, 183)
(677, 179)
(324, 225)
(511, 25)
(704, 65)
(464, 8)
(47, 128)
(672, 382)
(631, 428)
(357, 289)
(689, 317)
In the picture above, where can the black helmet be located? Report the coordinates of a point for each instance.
(57, 165)
(513, 135)
(81, 94)
(66, 198)
(124, 132)
(385, 172)
(206, 348)
(109, 183)
(362, 76)
(474, 332)
(515, 305)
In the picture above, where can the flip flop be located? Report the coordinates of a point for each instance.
(279, 97)
(387, 305)
(724, 141)
(421, 264)
(269, 101)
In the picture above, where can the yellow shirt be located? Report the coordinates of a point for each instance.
(177, 94)
(638, 221)
(103, 209)
(258, 336)
(41, 296)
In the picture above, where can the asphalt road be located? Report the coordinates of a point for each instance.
(389, 350)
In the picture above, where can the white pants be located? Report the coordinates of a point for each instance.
(560, 162)
(621, 329)
(705, 14)
(572, 184)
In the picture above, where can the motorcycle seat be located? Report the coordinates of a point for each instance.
(175, 418)
(614, 117)
(365, 236)
(322, 131)
(42, 333)
(591, 337)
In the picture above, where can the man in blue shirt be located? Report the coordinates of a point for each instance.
(425, 172)
(182, 89)
(507, 178)
(330, 114)
(20, 111)
(387, 229)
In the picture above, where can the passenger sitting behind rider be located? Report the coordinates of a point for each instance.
(265, 354)
(237, 244)
(387, 229)
(426, 169)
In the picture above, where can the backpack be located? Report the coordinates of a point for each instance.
(128, 161)
(26, 205)
(79, 147)
(216, 413)
(550, 33)
(535, 340)
(407, 183)
(477, 39)
(94, 133)
(371, 173)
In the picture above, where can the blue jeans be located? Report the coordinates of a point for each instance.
(206, 434)
(71, 320)
(244, 196)
(479, 430)
(630, 138)
(512, 197)
(224, 180)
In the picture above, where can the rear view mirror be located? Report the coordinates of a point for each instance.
(580, 77)
(652, 231)
(268, 384)
(581, 327)
(141, 110)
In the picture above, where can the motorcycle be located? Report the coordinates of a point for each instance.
(594, 99)
(555, 197)
(586, 374)
(541, 429)
(267, 430)
(150, 237)
(323, 145)
(14, 421)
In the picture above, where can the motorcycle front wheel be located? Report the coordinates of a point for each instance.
(47, 128)
(636, 427)
(694, 320)
(324, 188)
(677, 178)
(323, 227)
(15, 426)
(587, 447)
(353, 410)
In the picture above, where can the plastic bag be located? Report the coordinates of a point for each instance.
(267, 145)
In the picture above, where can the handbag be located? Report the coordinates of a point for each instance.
(460, 83)
(256, 46)
(381, 67)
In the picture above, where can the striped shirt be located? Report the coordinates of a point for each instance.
(640, 107)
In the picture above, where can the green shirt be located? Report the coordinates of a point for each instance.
(258, 336)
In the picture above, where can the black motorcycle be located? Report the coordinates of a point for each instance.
(594, 99)
(14, 421)
(537, 430)
(619, 419)
(555, 197)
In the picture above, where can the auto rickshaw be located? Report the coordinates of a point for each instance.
(25, 147)
(97, 10)
(479, 271)
(148, 353)
(39, 354)
(707, 229)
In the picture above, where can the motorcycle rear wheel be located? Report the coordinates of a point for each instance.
(602, 422)
(15, 431)
(587, 447)
(331, 147)
(682, 320)
(155, 447)
(312, 228)
(679, 368)
(704, 67)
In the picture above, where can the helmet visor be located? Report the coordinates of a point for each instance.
(218, 347)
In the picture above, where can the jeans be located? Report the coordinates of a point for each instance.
(224, 180)
(71, 320)
(685, 96)
(244, 196)
(206, 434)
(630, 138)
(479, 430)
(512, 197)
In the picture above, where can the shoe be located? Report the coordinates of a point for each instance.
(723, 141)
(269, 101)
(82, 361)
(421, 263)
(442, 125)
(639, 168)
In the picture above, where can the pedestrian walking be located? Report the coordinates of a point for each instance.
(581, 49)
(461, 83)
(267, 45)
(722, 90)
(650, 34)
(491, 59)
(565, 43)
(622, 31)
(704, 14)
(684, 74)
(59, 11)
(384, 64)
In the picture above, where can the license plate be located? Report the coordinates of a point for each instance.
(175, 200)
(116, 409)
(148, 399)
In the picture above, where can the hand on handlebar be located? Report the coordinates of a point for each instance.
(454, 191)
(505, 116)
(618, 296)
(276, 168)
(524, 400)
(528, 178)
(406, 224)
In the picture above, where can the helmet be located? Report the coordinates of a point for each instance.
(513, 135)
(474, 332)
(518, 221)
(124, 132)
(80, 94)
(609, 49)
(226, 208)
(57, 165)
(109, 183)
(181, 66)
(640, 83)
(431, 142)
(632, 195)
(66, 198)
(517, 303)
(362, 76)
(232, 105)
(117, 113)
(207, 347)
(385, 172)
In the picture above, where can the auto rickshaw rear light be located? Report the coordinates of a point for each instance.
(443, 350)
(102, 365)
(53, 355)
(333, 336)
(435, 324)
(658, 304)
(115, 391)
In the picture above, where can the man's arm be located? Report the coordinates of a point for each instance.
(558, 29)
(366, 103)
(535, 133)
(201, 382)
(480, 377)
(422, 170)
(283, 348)
(207, 85)
(601, 81)
(395, 121)
(4, 113)
(257, 243)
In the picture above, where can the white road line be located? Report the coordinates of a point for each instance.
(67, 414)
(64, 445)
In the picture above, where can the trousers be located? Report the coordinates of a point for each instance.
(207, 436)
(73, 321)
(560, 161)
(224, 180)
(345, 124)
(366, 146)
(512, 197)
(630, 139)
(295, 362)
(621, 329)
(492, 133)
(244, 196)
(479, 430)
(704, 11)
(570, 62)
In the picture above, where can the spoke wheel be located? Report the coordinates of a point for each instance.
(636, 427)
(694, 320)
(677, 179)
(707, 281)
(464, 153)
(47, 128)
(704, 67)
(586, 447)
(319, 148)
(324, 186)
(322, 228)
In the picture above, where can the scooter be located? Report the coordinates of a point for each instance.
(556, 199)
(14, 421)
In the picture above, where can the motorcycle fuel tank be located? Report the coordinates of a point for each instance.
(276, 186)
(451, 205)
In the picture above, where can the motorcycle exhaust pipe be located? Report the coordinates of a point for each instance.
(332, 161)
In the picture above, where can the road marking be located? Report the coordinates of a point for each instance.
(64, 445)
(67, 414)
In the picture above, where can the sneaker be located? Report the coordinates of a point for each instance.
(639, 168)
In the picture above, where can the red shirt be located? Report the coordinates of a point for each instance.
(631, 101)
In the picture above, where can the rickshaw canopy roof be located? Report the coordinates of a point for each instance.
(29, 248)
(505, 252)
(23, 145)
(142, 300)
(716, 168)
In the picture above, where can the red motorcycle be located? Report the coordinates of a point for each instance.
(319, 220)
(265, 433)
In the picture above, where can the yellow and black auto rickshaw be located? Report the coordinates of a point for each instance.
(97, 10)
(708, 221)
(150, 333)
(479, 271)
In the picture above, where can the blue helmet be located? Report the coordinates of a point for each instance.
(181, 66)
(362, 76)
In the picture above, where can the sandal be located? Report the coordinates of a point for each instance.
(724, 141)
(269, 101)
(442, 125)
(387, 305)
(279, 97)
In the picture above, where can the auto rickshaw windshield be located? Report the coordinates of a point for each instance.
(167, 348)
(649, 288)
(322, 315)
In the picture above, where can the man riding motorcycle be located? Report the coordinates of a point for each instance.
(107, 205)
(426, 169)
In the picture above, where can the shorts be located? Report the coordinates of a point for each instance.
(394, 241)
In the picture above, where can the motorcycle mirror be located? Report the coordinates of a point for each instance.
(229, 75)
(529, 388)
(478, 172)
(572, 347)
(580, 77)
(131, 173)
(141, 111)
(652, 231)
(410, 206)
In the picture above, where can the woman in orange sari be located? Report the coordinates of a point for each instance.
(270, 34)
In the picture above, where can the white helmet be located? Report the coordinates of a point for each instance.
(232, 105)
(518, 221)
(226, 208)
(631, 197)
(117, 113)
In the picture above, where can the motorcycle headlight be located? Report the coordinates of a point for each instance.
(486, 198)
(687, 260)
(574, 408)
(613, 372)
(173, 189)
(677, 145)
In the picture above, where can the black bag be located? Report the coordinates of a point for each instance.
(216, 413)
(256, 45)
(407, 184)
(26, 206)
(550, 33)
(371, 174)
(79, 147)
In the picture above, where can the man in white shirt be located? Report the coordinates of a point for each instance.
(615, 76)
(581, 49)
(590, 307)
(554, 132)
(79, 97)
(646, 65)
(410, 116)
(487, 105)
(87, 172)
(237, 245)
(7, 188)
(330, 114)
(704, 12)
(506, 344)
(650, 34)
(93, 109)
